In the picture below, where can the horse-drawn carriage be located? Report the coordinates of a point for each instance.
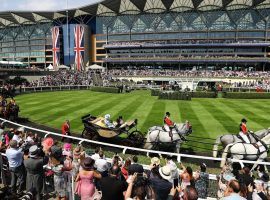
(94, 128)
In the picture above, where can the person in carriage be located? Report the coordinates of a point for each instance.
(107, 121)
(169, 125)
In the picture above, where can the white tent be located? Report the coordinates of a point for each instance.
(63, 67)
(50, 67)
(95, 67)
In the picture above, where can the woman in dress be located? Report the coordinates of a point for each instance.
(186, 176)
(85, 187)
(60, 184)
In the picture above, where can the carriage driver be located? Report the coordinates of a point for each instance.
(244, 131)
(168, 124)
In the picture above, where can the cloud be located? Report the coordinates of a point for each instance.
(42, 5)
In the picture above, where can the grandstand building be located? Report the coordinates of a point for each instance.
(177, 34)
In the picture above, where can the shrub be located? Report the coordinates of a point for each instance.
(203, 95)
(105, 89)
(246, 95)
(155, 92)
(175, 95)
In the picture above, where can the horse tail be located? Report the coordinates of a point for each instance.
(225, 154)
(215, 147)
(147, 141)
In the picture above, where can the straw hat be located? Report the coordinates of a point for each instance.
(165, 172)
(155, 161)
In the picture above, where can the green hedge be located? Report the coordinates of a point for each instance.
(155, 92)
(246, 95)
(175, 95)
(105, 89)
(203, 94)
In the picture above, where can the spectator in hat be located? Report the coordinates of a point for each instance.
(202, 181)
(154, 167)
(85, 187)
(60, 184)
(161, 184)
(15, 161)
(35, 174)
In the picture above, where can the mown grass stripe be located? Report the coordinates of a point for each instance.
(228, 123)
(171, 106)
(245, 110)
(211, 124)
(75, 116)
(130, 108)
(156, 114)
(142, 112)
(54, 104)
(237, 116)
(70, 109)
(187, 113)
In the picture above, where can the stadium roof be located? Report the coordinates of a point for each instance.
(116, 7)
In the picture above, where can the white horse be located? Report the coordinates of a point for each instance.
(157, 134)
(224, 140)
(246, 151)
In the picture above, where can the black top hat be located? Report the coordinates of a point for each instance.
(244, 120)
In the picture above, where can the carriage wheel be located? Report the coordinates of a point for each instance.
(137, 138)
(88, 135)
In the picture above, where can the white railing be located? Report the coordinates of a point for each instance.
(125, 148)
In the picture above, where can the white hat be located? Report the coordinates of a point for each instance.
(107, 116)
(165, 172)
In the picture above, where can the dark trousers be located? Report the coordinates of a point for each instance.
(17, 175)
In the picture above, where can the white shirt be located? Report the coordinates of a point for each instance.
(102, 165)
(95, 156)
(17, 138)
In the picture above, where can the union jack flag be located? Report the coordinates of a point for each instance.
(79, 46)
(55, 46)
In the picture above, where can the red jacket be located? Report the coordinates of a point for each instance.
(65, 128)
(243, 128)
(168, 121)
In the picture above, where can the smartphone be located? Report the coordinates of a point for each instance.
(175, 182)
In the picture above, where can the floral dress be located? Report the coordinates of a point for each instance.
(201, 185)
(60, 184)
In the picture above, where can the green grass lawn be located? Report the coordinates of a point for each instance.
(209, 117)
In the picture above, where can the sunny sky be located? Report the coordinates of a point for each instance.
(41, 5)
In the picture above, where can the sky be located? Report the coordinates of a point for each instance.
(41, 5)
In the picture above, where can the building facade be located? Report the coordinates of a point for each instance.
(212, 34)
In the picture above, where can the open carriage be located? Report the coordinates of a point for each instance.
(94, 128)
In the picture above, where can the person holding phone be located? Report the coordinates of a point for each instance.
(202, 181)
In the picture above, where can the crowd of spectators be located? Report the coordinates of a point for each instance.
(259, 79)
(190, 73)
(65, 77)
(36, 164)
(134, 43)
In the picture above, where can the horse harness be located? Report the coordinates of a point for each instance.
(260, 146)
